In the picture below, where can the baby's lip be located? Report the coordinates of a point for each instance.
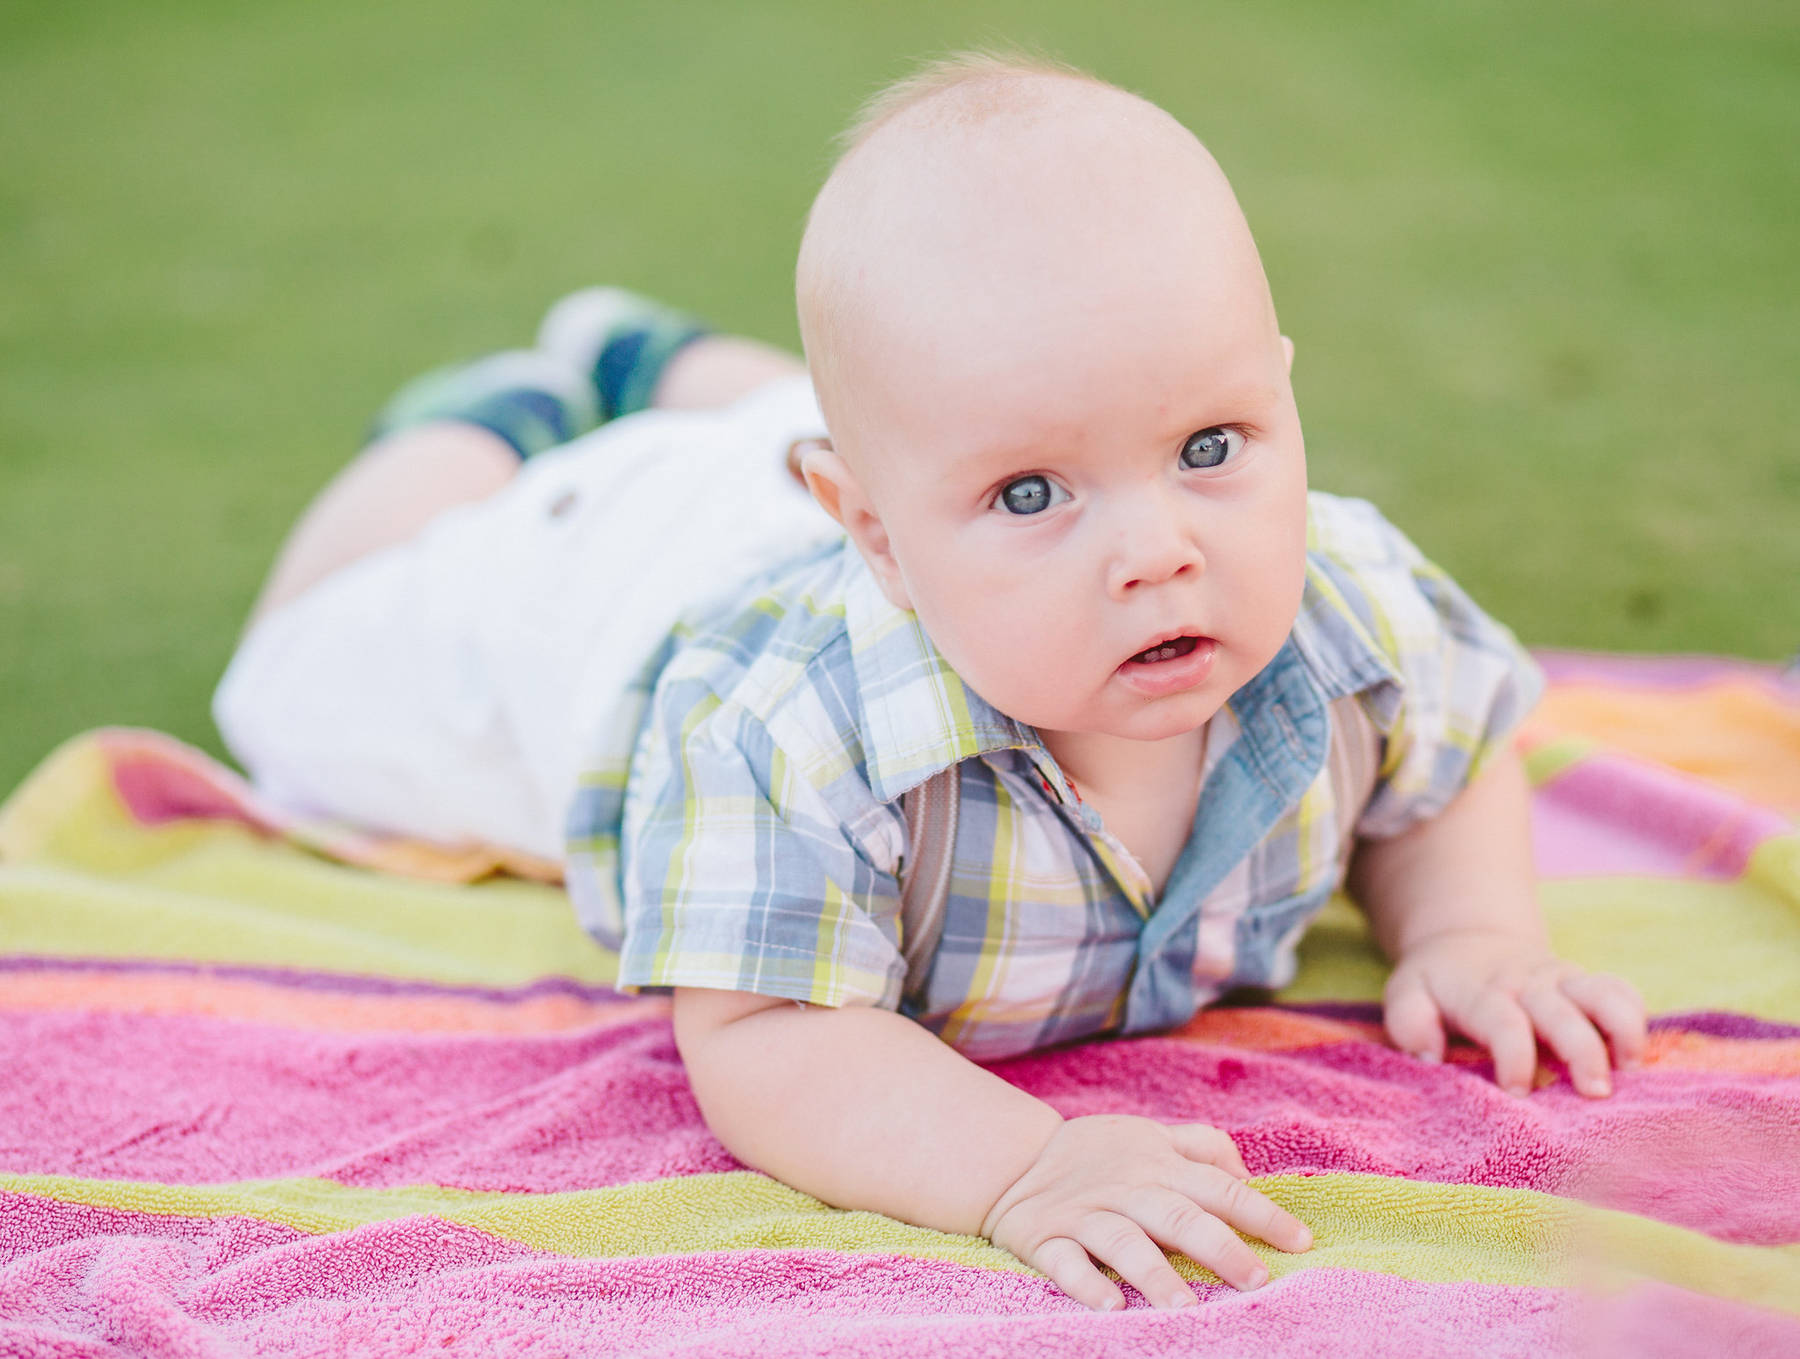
(1167, 635)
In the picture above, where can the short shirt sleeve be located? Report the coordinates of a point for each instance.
(1464, 682)
(737, 874)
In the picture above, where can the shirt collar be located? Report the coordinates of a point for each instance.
(918, 715)
(1339, 649)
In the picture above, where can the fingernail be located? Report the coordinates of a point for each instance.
(1306, 1239)
(1518, 1091)
(1185, 1300)
(1113, 1305)
(1600, 1088)
(1256, 1278)
(1430, 1058)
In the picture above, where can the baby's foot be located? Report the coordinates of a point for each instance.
(620, 340)
(530, 399)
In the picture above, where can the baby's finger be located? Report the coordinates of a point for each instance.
(1122, 1243)
(1616, 1007)
(1495, 1020)
(1175, 1221)
(1212, 1146)
(1249, 1210)
(1571, 1036)
(1412, 1018)
(1071, 1270)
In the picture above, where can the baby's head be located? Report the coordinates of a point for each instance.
(1062, 427)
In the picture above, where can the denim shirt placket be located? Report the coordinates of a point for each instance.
(1281, 747)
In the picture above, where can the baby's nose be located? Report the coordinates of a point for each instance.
(1126, 582)
(1154, 547)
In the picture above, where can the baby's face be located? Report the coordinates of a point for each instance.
(1064, 430)
(1098, 512)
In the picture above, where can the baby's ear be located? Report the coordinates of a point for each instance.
(841, 495)
(822, 472)
(1287, 349)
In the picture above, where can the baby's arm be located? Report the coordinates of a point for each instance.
(1452, 902)
(863, 1108)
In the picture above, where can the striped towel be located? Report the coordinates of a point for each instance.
(287, 1089)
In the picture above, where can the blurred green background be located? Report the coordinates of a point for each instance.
(1540, 260)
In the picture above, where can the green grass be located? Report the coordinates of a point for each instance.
(1540, 260)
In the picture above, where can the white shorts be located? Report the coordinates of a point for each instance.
(449, 687)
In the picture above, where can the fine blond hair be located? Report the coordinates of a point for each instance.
(987, 77)
(967, 87)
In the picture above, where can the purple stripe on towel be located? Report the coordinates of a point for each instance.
(1722, 1024)
(1711, 1023)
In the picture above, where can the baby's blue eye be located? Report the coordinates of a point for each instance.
(1030, 495)
(1210, 447)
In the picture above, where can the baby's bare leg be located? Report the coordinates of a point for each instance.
(401, 482)
(395, 487)
(718, 369)
(453, 435)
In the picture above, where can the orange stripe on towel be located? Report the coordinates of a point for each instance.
(1265, 1030)
(1253, 1029)
(1676, 1051)
(1733, 733)
(265, 1002)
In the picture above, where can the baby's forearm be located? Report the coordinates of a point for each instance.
(862, 1108)
(1468, 868)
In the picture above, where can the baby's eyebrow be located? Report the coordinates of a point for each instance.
(980, 464)
(1257, 394)
(1225, 404)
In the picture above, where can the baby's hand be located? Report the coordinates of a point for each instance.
(1505, 993)
(1114, 1185)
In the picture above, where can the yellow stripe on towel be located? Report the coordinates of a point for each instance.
(1686, 944)
(1432, 1233)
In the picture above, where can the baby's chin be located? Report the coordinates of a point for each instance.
(1158, 720)
(1167, 725)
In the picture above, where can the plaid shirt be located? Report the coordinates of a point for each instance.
(740, 827)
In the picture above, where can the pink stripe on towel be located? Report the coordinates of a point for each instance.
(1610, 815)
(190, 1100)
(1671, 673)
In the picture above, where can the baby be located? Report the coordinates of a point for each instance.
(1163, 701)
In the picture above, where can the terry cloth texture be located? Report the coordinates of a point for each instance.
(261, 1100)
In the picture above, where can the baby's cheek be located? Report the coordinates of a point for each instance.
(1008, 655)
(1015, 624)
(992, 643)
(1271, 579)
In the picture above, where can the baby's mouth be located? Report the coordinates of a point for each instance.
(1168, 651)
